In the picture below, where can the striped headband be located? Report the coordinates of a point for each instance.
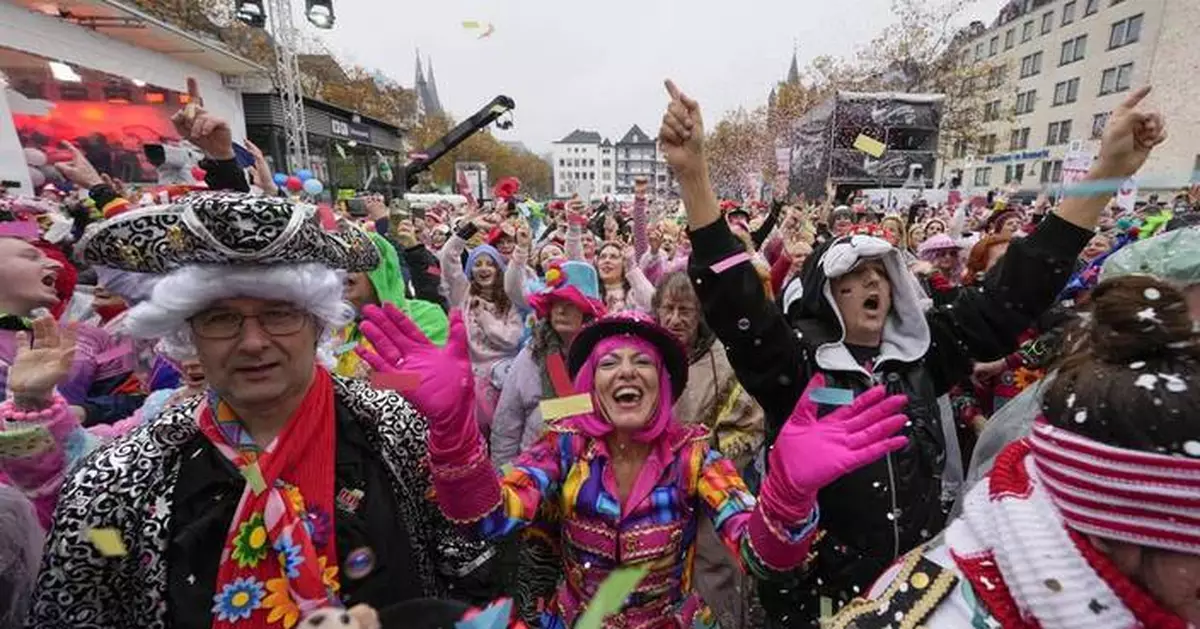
(1142, 498)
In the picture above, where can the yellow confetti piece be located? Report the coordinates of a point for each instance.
(108, 542)
(560, 407)
(470, 24)
(254, 478)
(869, 145)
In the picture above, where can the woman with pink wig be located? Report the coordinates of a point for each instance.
(628, 480)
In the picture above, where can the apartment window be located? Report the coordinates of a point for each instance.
(1099, 121)
(991, 111)
(1066, 92)
(1125, 32)
(983, 176)
(1091, 7)
(1052, 171)
(1058, 133)
(960, 148)
(1116, 79)
(1031, 64)
(979, 51)
(1068, 13)
(1010, 38)
(562, 162)
(1047, 22)
(996, 76)
(1073, 50)
(606, 163)
(1027, 31)
(1018, 139)
(994, 46)
(1014, 173)
(1026, 102)
(987, 144)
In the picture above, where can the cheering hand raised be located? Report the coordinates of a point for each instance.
(682, 134)
(442, 390)
(811, 453)
(40, 367)
(1129, 137)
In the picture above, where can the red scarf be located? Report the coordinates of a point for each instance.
(279, 562)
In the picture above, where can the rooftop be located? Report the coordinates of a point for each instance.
(635, 135)
(581, 137)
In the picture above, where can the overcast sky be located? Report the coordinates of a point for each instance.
(600, 65)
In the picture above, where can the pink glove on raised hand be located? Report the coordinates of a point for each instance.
(811, 453)
(444, 395)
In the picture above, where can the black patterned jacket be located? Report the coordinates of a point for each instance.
(128, 484)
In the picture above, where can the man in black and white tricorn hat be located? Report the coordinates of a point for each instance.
(283, 489)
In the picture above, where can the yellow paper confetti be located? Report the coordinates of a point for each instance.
(869, 145)
(560, 407)
(254, 478)
(108, 542)
(470, 24)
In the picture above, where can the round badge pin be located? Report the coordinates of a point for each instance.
(360, 562)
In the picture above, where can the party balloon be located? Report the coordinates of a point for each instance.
(313, 186)
(294, 184)
(36, 177)
(198, 173)
(280, 179)
(35, 157)
(304, 174)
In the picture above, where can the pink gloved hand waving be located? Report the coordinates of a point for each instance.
(811, 453)
(442, 389)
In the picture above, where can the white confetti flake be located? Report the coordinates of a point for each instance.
(1071, 400)
(1148, 314)
(1152, 294)
(1146, 381)
(1081, 416)
(1137, 365)
(1175, 384)
(1192, 448)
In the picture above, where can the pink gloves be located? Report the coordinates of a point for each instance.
(444, 393)
(810, 453)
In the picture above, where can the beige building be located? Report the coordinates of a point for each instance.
(1070, 62)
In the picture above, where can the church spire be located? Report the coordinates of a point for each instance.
(793, 76)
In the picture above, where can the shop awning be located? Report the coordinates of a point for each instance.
(129, 24)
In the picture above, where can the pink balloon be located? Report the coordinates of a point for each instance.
(294, 184)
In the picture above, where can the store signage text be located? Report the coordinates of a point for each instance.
(352, 130)
(1018, 156)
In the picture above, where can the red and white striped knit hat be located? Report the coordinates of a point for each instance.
(1142, 498)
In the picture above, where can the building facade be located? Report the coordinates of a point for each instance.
(583, 163)
(637, 154)
(1072, 62)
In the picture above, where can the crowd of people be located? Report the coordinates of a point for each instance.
(230, 408)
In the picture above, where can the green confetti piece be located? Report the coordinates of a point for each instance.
(254, 478)
(611, 595)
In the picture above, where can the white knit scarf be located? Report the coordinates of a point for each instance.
(1048, 578)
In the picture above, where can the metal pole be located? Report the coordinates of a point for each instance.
(287, 82)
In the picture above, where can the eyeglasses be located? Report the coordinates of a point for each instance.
(221, 325)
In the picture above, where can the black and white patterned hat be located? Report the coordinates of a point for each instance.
(224, 228)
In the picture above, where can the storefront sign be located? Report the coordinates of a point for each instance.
(1019, 156)
(352, 130)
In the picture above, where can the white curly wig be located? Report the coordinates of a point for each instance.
(186, 291)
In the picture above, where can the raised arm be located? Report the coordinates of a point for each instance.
(450, 262)
(760, 344)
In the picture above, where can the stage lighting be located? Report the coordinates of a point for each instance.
(320, 13)
(252, 13)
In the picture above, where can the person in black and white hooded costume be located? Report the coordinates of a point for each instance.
(860, 322)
